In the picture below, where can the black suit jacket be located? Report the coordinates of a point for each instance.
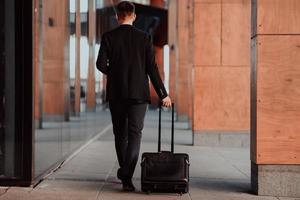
(127, 57)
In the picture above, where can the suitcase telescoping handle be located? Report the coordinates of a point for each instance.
(159, 129)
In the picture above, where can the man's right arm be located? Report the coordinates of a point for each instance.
(103, 59)
(153, 73)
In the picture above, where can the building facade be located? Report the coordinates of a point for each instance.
(233, 74)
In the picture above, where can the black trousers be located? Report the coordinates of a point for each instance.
(128, 123)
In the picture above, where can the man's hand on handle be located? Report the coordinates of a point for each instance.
(167, 102)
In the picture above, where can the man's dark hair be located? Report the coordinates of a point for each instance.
(124, 9)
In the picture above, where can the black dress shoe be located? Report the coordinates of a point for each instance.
(128, 186)
(119, 174)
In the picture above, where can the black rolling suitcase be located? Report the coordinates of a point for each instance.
(165, 171)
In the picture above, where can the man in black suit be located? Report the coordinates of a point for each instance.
(127, 57)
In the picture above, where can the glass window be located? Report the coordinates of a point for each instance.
(65, 124)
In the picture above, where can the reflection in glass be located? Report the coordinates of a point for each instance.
(54, 88)
(59, 136)
(7, 91)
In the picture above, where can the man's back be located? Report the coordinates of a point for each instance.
(127, 57)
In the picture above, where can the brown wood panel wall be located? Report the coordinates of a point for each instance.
(207, 34)
(184, 52)
(222, 65)
(236, 33)
(278, 17)
(275, 82)
(220, 103)
(172, 41)
(278, 99)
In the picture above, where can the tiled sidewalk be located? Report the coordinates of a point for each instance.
(215, 173)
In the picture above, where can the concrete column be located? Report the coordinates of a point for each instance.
(56, 60)
(77, 61)
(91, 82)
(275, 95)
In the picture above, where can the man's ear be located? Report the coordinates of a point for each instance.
(134, 17)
